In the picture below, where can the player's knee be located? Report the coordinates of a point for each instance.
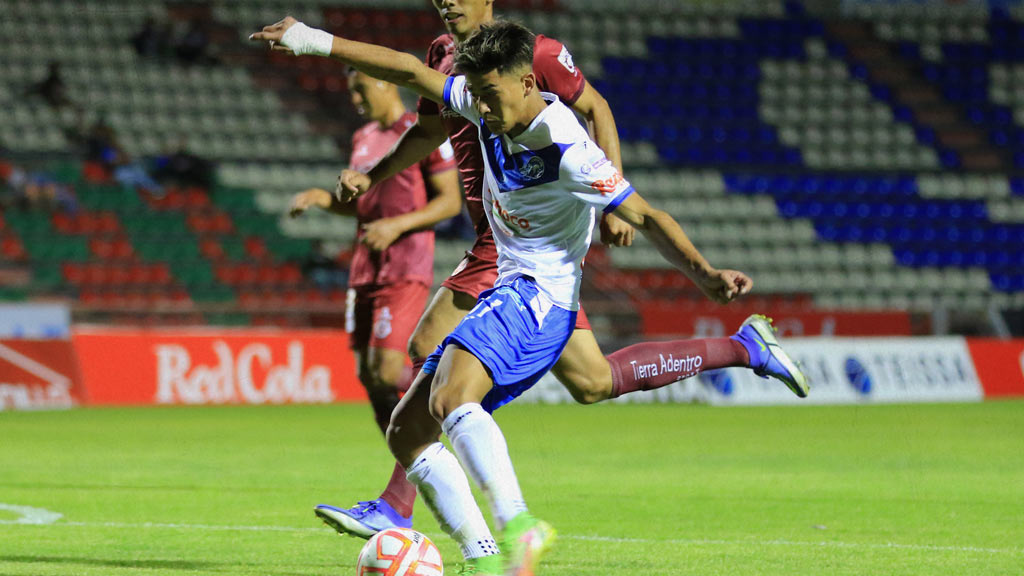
(443, 402)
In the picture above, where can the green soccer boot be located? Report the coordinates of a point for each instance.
(526, 540)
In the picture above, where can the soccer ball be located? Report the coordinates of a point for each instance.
(399, 552)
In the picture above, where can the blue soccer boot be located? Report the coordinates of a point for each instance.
(767, 357)
(364, 519)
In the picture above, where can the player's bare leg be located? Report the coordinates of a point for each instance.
(442, 315)
(382, 371)
(367, 518)
(413, 439)
(460, 384)
(583, 369)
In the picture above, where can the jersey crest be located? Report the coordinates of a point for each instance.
(533, 169)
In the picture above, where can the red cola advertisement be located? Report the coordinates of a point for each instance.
(197, 366)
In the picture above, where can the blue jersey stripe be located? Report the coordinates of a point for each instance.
(618, 200)
(447, 94)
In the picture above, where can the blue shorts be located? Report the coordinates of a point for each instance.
(504, 333)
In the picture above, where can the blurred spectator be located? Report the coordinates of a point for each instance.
(191, 48)
(101, 146)
(153, 40)
(38, 190)
(52, 89)
(323, 270)
(183, 168)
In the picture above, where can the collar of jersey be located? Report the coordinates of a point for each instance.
(525, 136)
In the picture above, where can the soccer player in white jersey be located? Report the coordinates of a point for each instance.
(544, 179)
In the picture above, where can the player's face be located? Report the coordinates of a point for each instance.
(369, 96)
(463, 17)
(501, 99)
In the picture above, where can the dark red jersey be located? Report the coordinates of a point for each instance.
(411, 257)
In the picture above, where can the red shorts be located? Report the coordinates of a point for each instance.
(384, 316)
(479, 270)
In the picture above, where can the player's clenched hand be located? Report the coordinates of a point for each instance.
(351, 185)
(615, 231)
(380, 234)
(272, 34)
(724, 286)
(305, 200)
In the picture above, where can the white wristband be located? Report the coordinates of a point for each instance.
(305, 40)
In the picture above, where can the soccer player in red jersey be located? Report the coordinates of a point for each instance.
(583, 369)
(392, 266)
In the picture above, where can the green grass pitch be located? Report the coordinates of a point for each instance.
(646, 490)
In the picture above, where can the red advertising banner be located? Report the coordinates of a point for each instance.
(1000, 365)
(38, 374)
(662, 318)
(217, 366)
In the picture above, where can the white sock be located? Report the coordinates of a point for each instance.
(481, 447)
(443, 485)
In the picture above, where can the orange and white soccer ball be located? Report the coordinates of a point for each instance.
(399, 552)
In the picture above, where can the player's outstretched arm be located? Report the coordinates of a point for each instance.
(416, 143)
(722, 286)
(321, 199)
(445, 202)
(290, 35)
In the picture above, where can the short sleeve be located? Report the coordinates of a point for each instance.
(439, 160)
(595, 180)
(457, 97)
(435, 54)
(555, 70)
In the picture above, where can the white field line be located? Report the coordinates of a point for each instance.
(584, 538)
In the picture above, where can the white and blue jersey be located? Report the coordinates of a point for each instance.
(540, 193)
(541, 189)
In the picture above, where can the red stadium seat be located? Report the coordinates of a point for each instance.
(12, 248)
(94, 172)
(290, 274)
(255, 248)
(211, 248)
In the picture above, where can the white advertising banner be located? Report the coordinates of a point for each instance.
(35, 321)
(840, 370)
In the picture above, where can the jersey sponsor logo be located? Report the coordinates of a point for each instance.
(612, 184)
(533, 169)
(566, 60)
(511, 219)
(683, 367)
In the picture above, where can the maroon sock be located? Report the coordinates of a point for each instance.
(400, 493)
(651, 365)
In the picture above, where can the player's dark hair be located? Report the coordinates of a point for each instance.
(502, 45)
